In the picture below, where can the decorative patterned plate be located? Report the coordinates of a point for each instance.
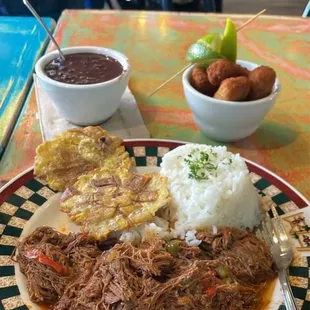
(25, 194)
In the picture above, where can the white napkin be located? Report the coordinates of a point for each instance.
(126, 123)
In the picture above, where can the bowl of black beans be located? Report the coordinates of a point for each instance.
(86, 87)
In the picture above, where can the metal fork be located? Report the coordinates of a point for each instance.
(273, 233)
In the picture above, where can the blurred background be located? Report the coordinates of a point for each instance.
(274, 7)
(53, 8)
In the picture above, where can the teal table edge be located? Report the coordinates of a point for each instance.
(23, 41)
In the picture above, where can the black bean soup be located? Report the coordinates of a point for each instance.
(83, 68)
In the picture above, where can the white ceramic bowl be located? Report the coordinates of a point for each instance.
(89, 104)
(227, 121)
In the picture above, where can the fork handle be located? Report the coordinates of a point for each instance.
(289, 300)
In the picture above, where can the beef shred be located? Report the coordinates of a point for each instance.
(228, 272)
(73, 252)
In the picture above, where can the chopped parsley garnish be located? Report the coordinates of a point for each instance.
(200, 165)
(227, 161)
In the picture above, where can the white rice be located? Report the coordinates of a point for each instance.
(158, 228)
(226, 197)
(190, 238)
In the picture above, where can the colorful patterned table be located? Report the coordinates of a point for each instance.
(156, 44)
(22, 42)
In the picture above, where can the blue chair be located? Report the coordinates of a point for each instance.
(306, 12)
(124, 4)
(94, 4)
(51, 8)
(213, 6)
(166, 5)
(208, 5)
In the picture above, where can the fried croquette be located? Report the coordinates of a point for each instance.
(232, 82)
(242, 71)
(233, 89)
(261, 80)
(222, 69)
(200, 81)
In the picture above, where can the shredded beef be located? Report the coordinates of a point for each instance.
(72, 251)
(227, 272)
(246, 256)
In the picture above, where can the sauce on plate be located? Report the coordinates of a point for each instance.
(266, 295)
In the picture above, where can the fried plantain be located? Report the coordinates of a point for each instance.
(108, 200)
(76, 152)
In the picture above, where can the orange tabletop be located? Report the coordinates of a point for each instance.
(156, 44)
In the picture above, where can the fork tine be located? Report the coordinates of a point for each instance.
(266, 232)
(280, 230)
(279, 227)
(274, 211)
(270, 230)
(273, 232)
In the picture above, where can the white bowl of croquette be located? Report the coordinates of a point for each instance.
(229, 104)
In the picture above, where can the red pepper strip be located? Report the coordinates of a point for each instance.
(211, 291)
(225, 233)
(84, 236)
(45, 260)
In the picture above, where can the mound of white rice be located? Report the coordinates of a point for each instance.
(159, 228)
(209, 186)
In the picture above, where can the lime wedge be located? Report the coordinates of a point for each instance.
(229, 42)
(213, 39)
(202, 53)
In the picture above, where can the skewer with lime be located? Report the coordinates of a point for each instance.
(214, 46)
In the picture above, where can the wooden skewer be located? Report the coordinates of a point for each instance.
(182, 70)
(251, 19)
(165, 83)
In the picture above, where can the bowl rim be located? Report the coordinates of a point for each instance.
(123, 59)
(272, 96)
